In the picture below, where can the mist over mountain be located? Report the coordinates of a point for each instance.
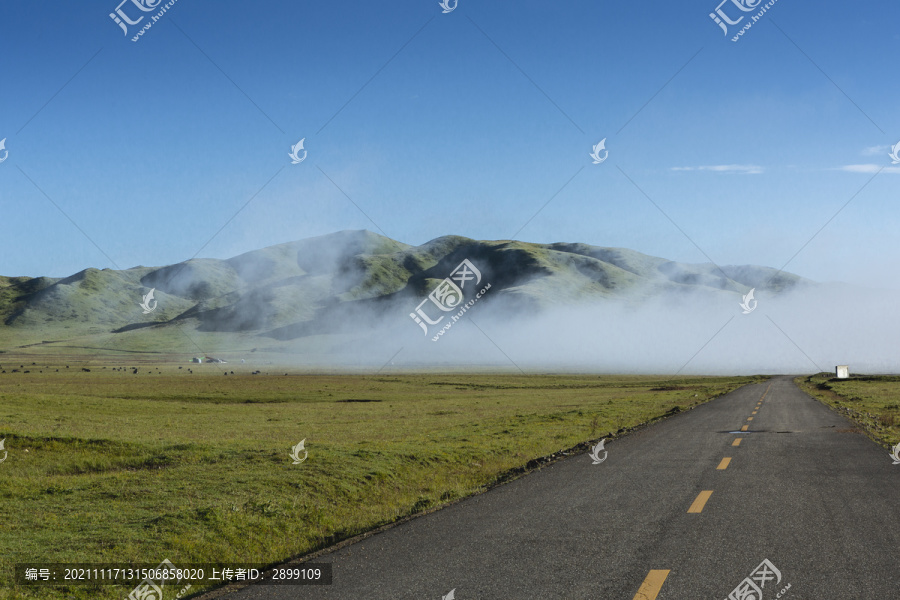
(313, 280)
(358, 298)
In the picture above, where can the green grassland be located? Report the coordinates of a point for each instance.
(113, 466)
(871, 401)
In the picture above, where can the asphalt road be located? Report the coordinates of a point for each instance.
(802, 489)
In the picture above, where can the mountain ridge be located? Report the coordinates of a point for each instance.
(311, 286)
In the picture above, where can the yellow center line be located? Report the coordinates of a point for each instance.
(737, 442)
(754, 412)
(758, 404)
(700, 502)
(724, 464)
(652, 584)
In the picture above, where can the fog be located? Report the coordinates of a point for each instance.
(332, 302)
(798, 332)
(807, 330)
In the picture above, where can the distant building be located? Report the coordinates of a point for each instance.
(842, 372)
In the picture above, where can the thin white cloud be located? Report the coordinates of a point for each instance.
(744, 169)
(876, 150)
(868, 169)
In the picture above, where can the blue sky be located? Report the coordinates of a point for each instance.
(478, 122)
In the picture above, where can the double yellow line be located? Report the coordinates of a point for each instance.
(653, 583)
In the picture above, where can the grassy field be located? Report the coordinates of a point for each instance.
(116, 466)
(872, 402)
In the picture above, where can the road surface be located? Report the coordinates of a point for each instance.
(685, 509)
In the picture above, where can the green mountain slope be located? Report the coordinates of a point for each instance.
(322, 285)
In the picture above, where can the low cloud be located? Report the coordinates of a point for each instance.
(876, 150)
(743, 169)
(869, 168)
(686, 333)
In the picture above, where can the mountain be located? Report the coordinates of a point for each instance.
(344, 282)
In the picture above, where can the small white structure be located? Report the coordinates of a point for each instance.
(842, 372)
